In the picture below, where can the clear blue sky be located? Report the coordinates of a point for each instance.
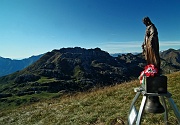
(32, 27)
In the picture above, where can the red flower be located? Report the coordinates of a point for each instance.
(149, 71)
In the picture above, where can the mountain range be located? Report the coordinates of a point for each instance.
(79, 69)
(8, 66)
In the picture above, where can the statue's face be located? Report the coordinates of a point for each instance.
(145, 23)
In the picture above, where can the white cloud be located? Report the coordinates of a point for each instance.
(123, 44)
(169, 43)
(164, 45)
(135, 46)
(121, 47)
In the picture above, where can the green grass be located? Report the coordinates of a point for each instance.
(45, 79)
(14, 102)
(97, 107)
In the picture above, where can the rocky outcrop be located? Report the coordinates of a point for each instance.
(26, 78)
(134, 63)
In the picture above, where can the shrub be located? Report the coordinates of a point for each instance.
(26, 78)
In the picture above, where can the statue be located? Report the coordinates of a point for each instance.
(150, 48)
(150, 45)
(153, 84)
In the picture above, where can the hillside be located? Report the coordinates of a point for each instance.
(171, 56)
(97, 107)
(74, 70)
(8, 66)
(69, 69)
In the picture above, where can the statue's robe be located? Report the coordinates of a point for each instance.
(151, 46)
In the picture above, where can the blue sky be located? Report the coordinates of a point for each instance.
(32, 27)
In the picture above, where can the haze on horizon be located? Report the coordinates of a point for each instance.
(33, 27)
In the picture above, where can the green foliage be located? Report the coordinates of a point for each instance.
(45, 79)
(78, 73)
(98, 107)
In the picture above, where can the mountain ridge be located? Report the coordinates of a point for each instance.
(77, 69)
(8, 65)
(71, 69)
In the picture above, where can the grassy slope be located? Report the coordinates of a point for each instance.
(98, 107)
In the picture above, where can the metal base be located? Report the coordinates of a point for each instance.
(137, 117)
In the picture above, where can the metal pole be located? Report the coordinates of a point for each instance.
(166, 112)
(139, 117)
(175, 109)
(134, 100)
(132, 104)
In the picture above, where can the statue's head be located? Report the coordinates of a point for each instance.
(147, 21)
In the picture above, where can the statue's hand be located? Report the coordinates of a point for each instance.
(142, 46)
